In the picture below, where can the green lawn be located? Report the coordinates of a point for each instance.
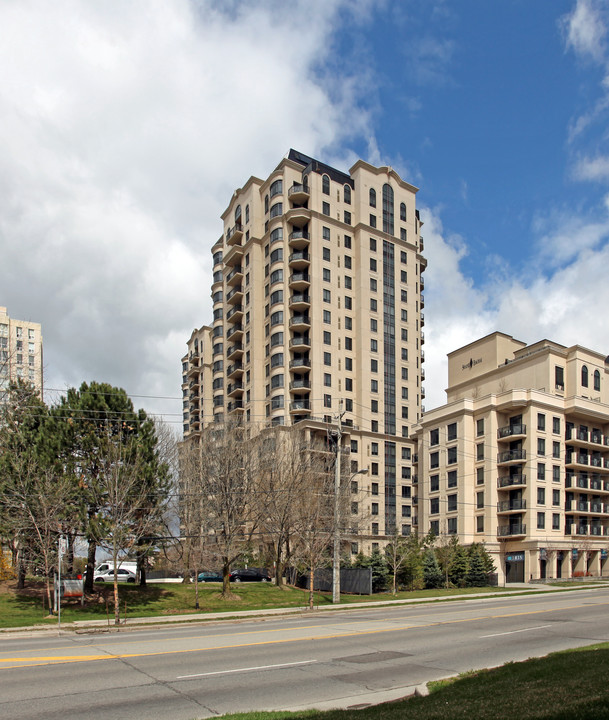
(570, 685)
(17, 610)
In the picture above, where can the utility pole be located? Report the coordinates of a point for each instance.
(336, 559)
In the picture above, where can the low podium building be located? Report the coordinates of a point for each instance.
(518, 458)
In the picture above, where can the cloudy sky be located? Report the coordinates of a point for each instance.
(126, 125)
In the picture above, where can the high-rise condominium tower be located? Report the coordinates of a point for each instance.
(317, 319)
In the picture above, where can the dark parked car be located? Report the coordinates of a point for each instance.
(209, 576)
(250, 575)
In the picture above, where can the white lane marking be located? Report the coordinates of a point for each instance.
(513, 632)
(248, 669)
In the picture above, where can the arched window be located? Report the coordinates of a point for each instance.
(597, 380)
(403, 211)
(325, 185)
(372, 197)
(347, 194)
(388, 209)
(584, 376)
(238, 214)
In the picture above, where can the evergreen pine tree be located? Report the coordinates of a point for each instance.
(476, 573)
(432, 574)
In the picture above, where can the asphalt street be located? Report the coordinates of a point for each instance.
(323, 659)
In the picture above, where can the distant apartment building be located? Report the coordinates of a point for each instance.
(518, 458)
(317, 299)
(20, 352)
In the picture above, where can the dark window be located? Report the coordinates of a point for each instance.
(597, 380)
(403, 211)
(347, 194)
(325, 185)
(451, 455)
(388, 209)
(325, 208)
(451, 431)
(372, 197)
(584, 376)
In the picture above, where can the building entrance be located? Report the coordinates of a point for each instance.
(514, 567)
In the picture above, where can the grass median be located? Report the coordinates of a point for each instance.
(569, 685)
(19, 608)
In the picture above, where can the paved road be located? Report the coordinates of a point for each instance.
(337, 659)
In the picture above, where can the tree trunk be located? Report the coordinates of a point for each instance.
(117, 609)
(90, 566)
(70, 554)
(21, 573)
(225, 579)
(311, 586)
(141, 568)
(278, 565)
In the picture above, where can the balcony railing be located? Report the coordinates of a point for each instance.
(509, 505)
(511, 430)
(511, 530)
(511, 456)
(510, 480)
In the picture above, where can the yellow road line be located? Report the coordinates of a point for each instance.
(61, 659)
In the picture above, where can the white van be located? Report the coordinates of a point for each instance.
(108, 566)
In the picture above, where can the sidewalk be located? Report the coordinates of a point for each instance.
(132, 623)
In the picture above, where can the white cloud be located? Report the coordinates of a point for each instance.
(585, 29)
(596, 168)
(125, 128)
(566, 305)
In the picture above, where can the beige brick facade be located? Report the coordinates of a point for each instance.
(20, 352)
(317, 313)
(518, 458)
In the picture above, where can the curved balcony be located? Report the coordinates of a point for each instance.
(300, 322)
(422, 316)
(422, 301)
(234, 234)
(235, 313)
(300, 406)
(298, 193)
(511, 457)
(235, 276)
(511, 481)
(235, 351)
(512, 432)
(518, 530)
(234, 370)
(300, 363)
(300, 385)
(236, 406)
(300, 343)
(299, 239)
(300, 301)
(235, 296)
(235, 331)
(300, 280)
(298, 216)
(235, 388)
(509, 506)
(299, 259)
(233, 255)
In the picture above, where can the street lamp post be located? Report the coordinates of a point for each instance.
(336, 561)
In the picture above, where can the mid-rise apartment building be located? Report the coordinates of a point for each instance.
(20, 352)
(317, 321)
(518, 458)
